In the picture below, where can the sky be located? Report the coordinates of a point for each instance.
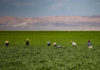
(41, 8)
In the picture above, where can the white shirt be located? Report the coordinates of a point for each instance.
(54, 43)
(73, 43)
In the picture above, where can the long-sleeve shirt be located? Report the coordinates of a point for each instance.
(89, 43)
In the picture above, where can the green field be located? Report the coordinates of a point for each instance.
(38, 56)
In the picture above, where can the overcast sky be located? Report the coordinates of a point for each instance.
(41, 8)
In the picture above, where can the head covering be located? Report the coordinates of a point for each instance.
(27, 39)
(6, 41)
(88, 40)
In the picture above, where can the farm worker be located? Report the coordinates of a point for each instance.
(89, 44)
(6, 43)
(59, 46)
(27, 42)
(55, 44)
(73, 43)
(48, 43)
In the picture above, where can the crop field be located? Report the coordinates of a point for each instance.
(38, 56)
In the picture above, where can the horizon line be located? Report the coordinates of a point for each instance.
(51, 16)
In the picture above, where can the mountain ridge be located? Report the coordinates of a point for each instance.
(50, 23)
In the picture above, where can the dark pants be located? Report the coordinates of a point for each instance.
(55, 45)
(48, 44)
(27, 43)
(6, 44)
